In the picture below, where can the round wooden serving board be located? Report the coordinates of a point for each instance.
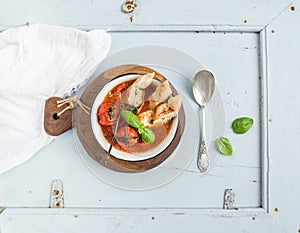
(82, 123)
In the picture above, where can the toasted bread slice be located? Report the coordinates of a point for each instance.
(175, 103)
(161, 93)
(167, 111)
(134, 95)
(146, 117)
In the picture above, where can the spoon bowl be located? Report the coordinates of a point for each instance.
(203, 89)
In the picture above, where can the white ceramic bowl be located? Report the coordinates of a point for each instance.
(103, 142)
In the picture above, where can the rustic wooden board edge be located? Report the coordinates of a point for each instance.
(282, 70)
(249, 14)
(56, 125)
(138, 220)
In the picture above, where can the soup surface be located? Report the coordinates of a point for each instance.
(116, 130)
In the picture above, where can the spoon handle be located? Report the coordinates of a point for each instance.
(203, 158)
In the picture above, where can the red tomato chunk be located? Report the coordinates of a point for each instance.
(127, 137)
(118, 91)
(107, 114)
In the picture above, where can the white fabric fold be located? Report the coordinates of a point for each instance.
(37, 62)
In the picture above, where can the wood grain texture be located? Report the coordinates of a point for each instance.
(60, 159)
(56, 126)
(101, 14)
(230, 52)
(283, 72)
(137, 220)
(82, 122)
(238, 172)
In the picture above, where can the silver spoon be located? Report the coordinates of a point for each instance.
(203, 89)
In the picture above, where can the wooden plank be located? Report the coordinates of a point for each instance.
(94, 14)
(129, 220)
(283, 55)
(279, 39)
(233, 57)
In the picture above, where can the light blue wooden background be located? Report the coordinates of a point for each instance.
(240, 42)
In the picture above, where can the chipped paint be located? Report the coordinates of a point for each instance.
(229, 199)
(129, 6)
(131, 18)
(57, 194)
(2, 208)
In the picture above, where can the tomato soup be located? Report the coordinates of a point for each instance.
(117, 131)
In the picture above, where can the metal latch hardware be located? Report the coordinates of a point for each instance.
(229, 199)
(57, 194)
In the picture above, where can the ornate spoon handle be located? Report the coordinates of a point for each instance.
(203, 158)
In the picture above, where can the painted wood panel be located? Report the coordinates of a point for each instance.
(128, 220)
(284, 111)
(87, 14)
(234, 59)
(239, 54)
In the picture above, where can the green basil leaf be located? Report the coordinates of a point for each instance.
(147, 135)
(140, 130)
(224, 146)
(131, 119)
(242, 125)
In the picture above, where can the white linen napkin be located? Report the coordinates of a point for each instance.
(38, 62)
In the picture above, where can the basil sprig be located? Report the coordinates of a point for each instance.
(132, 120)
(224, 146)
(242, 125)
(147, 135)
